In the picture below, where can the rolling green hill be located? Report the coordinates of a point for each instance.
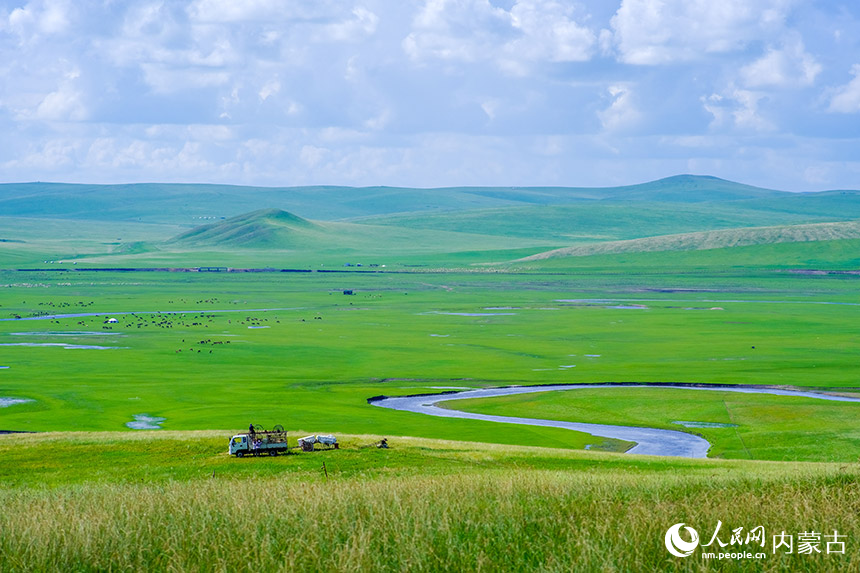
(276, 229)
(721, 239)
(160, 224)
(833, 258)
(186, 203)
(598, 221)
(272, 237)
(266, 228)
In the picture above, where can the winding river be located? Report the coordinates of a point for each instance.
(649, 441)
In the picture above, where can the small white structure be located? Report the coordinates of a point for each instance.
(111, 321)
(307, 443)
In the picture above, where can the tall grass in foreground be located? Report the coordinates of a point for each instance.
(499, 520)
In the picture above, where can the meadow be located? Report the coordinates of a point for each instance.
(215, 358)
(323, 352)
(175, 501)
(740, 426)
(104, 320)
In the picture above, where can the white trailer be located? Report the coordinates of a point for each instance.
(307, 443)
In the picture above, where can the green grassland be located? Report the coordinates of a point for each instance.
(175, 501)
(757, 426)
(320, 353)
(449, 295)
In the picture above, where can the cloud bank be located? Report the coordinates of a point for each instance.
(431, 92)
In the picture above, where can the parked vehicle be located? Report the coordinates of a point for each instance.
(257, 441)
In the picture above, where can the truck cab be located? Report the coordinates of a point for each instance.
(240, 445)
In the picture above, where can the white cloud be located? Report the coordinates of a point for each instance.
(421, 92)
(490, 107)
(44, 90)
(477, 31)
(622, 113)
(604, 41)
(361, 24)
(222, 11)
(210, 133)
(789, 66)
(40, 18)
(652, 32)
(47, 156)
(335, 20)
(107, 152)
(172, 55)
(333, 136)
(65, 104)
(846, 99)
(379, 121)
(313, 156)
(271, 88)
(549, 32)
(468, 31)
(737, 109)
(243, 53)
(167, 79)
(746, 114)
(180, 158)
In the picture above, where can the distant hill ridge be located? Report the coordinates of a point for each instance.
(683, 212)
(175, 203)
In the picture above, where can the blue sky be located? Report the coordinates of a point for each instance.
(431, 92)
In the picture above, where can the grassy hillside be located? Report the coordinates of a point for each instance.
(260, 241)
(211, 225)
(840, 204)
(263, 238)
(836, 255)
(184, 203)
(597, 221)
(32, 241)
(727, 238)
(690, 189)
(277, 229)
(266, 228)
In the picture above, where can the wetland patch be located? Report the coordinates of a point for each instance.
(146, 422)
(705, 424)
(62, 345)
(475, 313)
(6, 402)
(74, 333)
